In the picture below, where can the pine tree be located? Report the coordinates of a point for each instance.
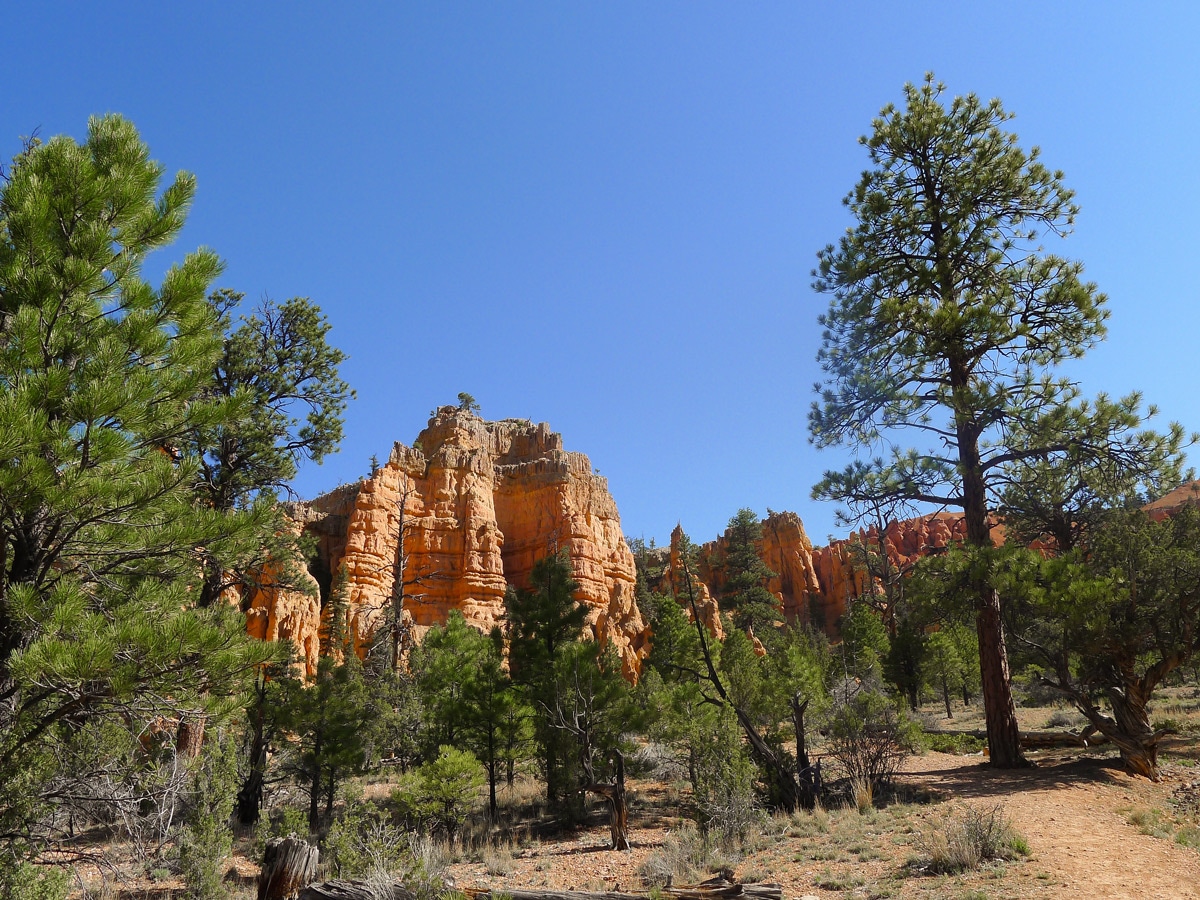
(948, 319)
(543, 621)
(743, 589)
(103, 378)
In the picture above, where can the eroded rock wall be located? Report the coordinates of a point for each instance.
(814, 584)
(478, 504)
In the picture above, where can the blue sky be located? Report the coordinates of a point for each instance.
(604, 215)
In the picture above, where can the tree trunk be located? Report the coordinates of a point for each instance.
(288, 865)
(314, 799)
(355, 889)
(946, 695)
(777, 773)
(620, 811)
(713, 889)
(189, 736)
(1129, 728)
(330, 794)
(1004, 735)
(493, 809)
(249, 798)
(804, 770)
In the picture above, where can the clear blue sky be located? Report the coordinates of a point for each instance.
(604, 215)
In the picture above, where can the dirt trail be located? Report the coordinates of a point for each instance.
(1074, 813)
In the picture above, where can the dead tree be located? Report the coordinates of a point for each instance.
(289, 864)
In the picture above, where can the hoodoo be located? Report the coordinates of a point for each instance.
(475, 504)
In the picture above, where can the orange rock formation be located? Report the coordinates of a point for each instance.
(815, 584)
(478, 504)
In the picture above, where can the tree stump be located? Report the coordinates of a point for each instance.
(288, 864)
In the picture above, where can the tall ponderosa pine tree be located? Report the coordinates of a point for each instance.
(948, 319)
(543, 621)
(744, 593)
(103, 378)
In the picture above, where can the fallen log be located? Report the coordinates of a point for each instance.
(715, 889)
(354, 889)
(1038, 740)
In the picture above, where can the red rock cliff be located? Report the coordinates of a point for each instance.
(481, 502)
(815, 584)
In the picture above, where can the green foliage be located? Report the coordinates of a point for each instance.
(743, 588)
(949, 319)
(23, 881)
(103, 379)
(944, 671)
(468, 697)
(467, 402)
(329, 720)
(281, 822)
(960, 744)
(279, 364)
(543, 621)
(723, 777)
(945, 312)
(907, 657)
(442, 791)
(363, 842)
(865, 642)
(445, 664)
(207, 837)
(1113, 625)
(869, 735)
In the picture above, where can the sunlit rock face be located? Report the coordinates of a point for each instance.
(814, 584)
(478, 503)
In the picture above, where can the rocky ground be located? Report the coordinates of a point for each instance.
(1092, 831)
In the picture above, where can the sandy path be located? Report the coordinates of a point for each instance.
(1074, 813)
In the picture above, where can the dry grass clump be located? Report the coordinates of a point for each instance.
(969, 839)
(687, 856)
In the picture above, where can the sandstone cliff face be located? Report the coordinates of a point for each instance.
(478, 503)
(706, 605)
(276, 613)
(814, 585)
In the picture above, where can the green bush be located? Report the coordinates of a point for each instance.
(961, 744)
(207, 837)
(22, 881)
(280, 822)
(869, 735)
(363, 842)
(442, 791)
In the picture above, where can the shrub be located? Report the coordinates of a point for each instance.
(723, 790)
(966, 841)
(685, 857)
(961, 744)
(22, 881)
(869, 736)
(442, 791)
(207, 837)
(362, 842)
(280, 822)
(1062, 718)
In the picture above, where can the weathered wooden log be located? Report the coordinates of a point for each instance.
(289, 863)
(1040, 740)
(716, 889)
(354, 889)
